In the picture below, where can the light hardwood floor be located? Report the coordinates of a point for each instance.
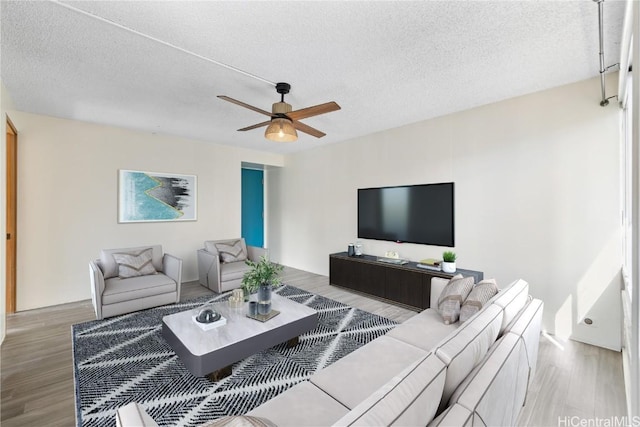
(573, 379)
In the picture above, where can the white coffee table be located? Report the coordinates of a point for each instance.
(211, 353)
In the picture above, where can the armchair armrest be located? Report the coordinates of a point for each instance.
(172, 267)
(97, 287)
(254, 253)
(209, 270)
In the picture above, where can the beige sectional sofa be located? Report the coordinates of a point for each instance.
(424, 372)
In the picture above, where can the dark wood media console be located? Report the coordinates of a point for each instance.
(406, 284)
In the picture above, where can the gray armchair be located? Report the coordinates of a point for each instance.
(135, 284)
(218, 270)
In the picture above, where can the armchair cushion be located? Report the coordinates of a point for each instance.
(132, 264)
(232, 271)
(232, 251)
(110, 266)
(119, 290)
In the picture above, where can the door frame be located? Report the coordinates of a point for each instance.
(11, 219)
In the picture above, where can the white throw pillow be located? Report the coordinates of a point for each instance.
(232, 251)
(478, 297)
(452, 296)
(135, 264)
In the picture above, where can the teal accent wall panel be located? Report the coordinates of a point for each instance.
(252, 207)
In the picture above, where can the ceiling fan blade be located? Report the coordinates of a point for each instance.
(242, 104)
(259, 125)
(303, 113)
(308, 129)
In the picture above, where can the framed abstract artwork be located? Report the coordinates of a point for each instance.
(156, 196)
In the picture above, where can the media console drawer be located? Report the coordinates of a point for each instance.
(405, 284)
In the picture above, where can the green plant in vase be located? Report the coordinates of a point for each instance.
(449, 256)
(449, 262)
(262, 276)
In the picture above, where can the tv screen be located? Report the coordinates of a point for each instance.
(412, 214)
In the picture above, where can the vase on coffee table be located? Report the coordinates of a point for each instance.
(262, 276)
(264, 299)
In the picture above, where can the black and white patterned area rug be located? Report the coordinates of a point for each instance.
(125, 359)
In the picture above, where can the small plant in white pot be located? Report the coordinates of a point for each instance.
(449, 262)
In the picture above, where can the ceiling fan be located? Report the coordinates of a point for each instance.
(284, 122)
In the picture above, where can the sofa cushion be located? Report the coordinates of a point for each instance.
(109, 265)
(233, 271)
(232, 251)
(452, 297)
(454, 415)
(409, 399)
(119, 290)
(501, 377)
(481, 293)
(424, 330)
(465, 347)
(512, 299)
(356, 376)
(239, 421)
(133, 264)
(132, 414)
(527, 326)
(302, 405)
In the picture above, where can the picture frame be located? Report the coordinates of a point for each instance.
(156, 196)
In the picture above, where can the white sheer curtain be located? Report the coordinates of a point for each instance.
(629, 97)
(630, 252)
(626, 53)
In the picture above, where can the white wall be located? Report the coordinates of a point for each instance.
(537, 197)
(67, 200)
(5, 104)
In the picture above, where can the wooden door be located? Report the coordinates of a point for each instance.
(12, 168)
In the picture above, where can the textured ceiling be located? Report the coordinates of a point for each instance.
(386, 63)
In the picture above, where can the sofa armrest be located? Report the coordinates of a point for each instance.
(133, 415)
(254, 253)
(172, 267)
(97, 287)
(209, 270)
(437, 286)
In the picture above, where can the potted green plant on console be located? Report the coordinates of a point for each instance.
(261, 278)
(449, 262)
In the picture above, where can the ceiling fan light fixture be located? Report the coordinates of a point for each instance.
(281, 127)
(281, 130)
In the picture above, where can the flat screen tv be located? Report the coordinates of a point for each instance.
(411, 213)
